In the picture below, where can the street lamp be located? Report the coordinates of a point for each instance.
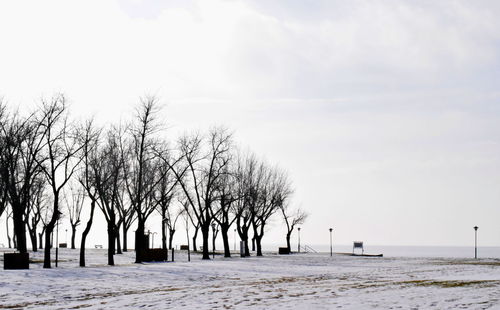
(57, 236)
(331, 246)
(235, 239)
(299, 239)
(475, 241)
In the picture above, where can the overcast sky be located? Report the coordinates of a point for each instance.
(385, 113)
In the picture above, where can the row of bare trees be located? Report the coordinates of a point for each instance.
(51, 166)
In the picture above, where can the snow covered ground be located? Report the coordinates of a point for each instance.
(300, 281)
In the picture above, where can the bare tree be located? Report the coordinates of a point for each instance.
(292, 218)
(272, 189)
(34, 210)
(140, 167)
(90, 139)
(164, 194)
(60, 150)
(246, 171)
(21, 141)
(73, 200)
(45, 216)
(108, 176)
(171, 223)
(204, 168)
(126, 217)
(224, 212)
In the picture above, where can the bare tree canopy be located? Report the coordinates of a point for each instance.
(204, 165)
(59, 160)
(22, 140)
(292, 218)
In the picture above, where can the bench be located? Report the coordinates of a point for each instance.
(358, 245)
(98, 246)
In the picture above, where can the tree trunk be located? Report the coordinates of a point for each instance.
(213, 242)
(225, 239)
(111, 243)
(125, 230)
(49, 230)
(85, 233)
(19, 229)
(259, 246)
(73, 234)
(8, 234)
(46, 256)
(139, 240)
(118, 244)
(205, 230)
(288, 241)
(171, 238)
(40, 240)
(194, 238)
(253, 243)
(32, 234)
(164, 236)
(243, 233)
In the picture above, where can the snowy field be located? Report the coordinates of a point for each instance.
(300, 281)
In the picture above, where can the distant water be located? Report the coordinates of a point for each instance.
(410, 251)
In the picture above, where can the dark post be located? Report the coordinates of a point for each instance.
(57, 239)
(475, 241)
(172, 254)
(299, 239)
(331, 246)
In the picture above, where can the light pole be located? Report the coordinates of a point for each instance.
(235, 239)
(66, 237)
(299, 239)
(475, 241)
(331, 246)
(57, 236)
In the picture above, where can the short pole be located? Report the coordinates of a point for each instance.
(235, 240)
(57, 239)
(331, 244)
(299, 240)
(475, 241)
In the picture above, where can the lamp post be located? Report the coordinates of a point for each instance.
(475, 241)
(331, 246)
(57, 236)
(235, 239)
(213, 242)
(66, 237)
(298, 229)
